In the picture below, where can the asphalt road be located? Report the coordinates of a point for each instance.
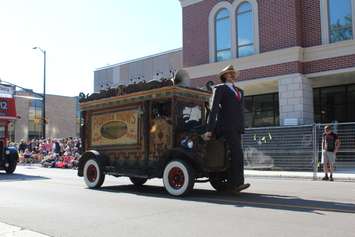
(57, 203)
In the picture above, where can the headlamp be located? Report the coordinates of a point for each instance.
(187, 143)
(190, 144)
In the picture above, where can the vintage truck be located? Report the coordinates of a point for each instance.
(151, 131)
(8, 154)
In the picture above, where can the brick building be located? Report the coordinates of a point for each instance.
(296, 58)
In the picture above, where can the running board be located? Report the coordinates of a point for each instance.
(202, 181)
(128, 175)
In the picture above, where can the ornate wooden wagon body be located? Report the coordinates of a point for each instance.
(150, 133)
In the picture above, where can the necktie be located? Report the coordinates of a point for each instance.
(237, 93)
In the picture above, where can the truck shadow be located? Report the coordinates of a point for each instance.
(245, 199)
(19, 177)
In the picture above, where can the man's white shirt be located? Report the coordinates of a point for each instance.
(232, 87)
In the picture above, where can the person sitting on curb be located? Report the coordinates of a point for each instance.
(330, 147)
(27, 155)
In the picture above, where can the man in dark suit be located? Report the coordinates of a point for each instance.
(227, 116)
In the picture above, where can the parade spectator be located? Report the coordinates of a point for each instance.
(22, 147)
(27, 155)
(48, 145)
(50, 160)
(43, 148)
(61, 153)
(330, 147)
(56, 148)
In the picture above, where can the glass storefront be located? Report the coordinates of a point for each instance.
(262, 110)
(334, 104)
(35, 119)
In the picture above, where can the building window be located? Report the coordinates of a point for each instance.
(340, 20)
(337, 20)
(35, 119)
(223, 35)
(261, 110)
(245, 30)
(233, 30)
(334, 104)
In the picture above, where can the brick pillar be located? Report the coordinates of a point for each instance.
(296, 100)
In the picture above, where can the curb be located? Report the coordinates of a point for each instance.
(290, 175)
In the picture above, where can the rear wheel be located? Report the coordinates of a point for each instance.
(94, 175)
(138, 181)
(178, 178)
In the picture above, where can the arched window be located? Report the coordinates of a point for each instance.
(223, 35)
(233, 29)
(340, 20)
(245, 30)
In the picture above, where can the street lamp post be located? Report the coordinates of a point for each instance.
(44, 92)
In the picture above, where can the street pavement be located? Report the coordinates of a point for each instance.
(57, 203)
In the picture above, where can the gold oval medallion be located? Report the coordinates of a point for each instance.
(114, 130)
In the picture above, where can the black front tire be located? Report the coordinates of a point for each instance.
(11, 168)
(138, 182)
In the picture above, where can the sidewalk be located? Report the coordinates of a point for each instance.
(338, 176)
(13, 231)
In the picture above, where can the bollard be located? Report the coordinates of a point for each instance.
(315, 152)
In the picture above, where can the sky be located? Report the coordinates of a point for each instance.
(80, 36)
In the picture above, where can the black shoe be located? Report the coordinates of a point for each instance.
(237, 190)
(331, 178)
(325, 178)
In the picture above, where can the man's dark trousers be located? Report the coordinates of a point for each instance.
(234, 138)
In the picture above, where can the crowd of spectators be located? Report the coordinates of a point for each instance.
(51, 152)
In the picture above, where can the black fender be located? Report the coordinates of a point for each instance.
(182, 154)
(92, 154)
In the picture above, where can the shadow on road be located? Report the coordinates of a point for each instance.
(19, 177)
(245, 199)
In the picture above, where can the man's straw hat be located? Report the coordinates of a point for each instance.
(228, 69)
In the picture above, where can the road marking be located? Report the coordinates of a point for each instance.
(14, 231)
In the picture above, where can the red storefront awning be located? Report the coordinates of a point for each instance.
(7, 108)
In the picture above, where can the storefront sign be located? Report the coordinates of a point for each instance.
(115, 128)
(6, 91)
(7, 108)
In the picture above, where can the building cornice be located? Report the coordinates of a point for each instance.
(330, 72)
(325, 51)
(281, 56)
(255, 61)
(185, 3)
